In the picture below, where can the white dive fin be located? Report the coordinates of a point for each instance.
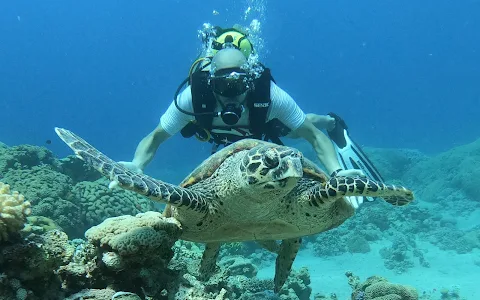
(349, 154)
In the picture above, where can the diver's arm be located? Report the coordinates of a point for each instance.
(171, 122)
(327, 155)
(322, 121)
(321, 144)
(148, 146)
(286, 110)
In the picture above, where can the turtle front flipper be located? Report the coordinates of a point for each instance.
(339, 187)
(140, 183)
(283, 265)
(208, 265)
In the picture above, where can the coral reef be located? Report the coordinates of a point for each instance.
(77, 170)
(373, 224)
(64, 213)
(13, 212)
(378, 288)
(39, 182)
(452, 293)
(330, 243)
(39, 225)
(232, 284)
(97, 202)
(139, 256)
(86, 204)
(57, 190)
(131, 252)
(297, 286)
(397, 256)
(251, 250)
(136, 254)
(129, 235)
(29, 265)
(24, 157)
(459, 172)
(130, 256)
(394, 164)
(95, 294)
(358, 244)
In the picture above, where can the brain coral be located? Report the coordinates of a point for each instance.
(65, 213)
(24, 157)
(39, 182)
(13, 211)
(378, 288)
(98, 202)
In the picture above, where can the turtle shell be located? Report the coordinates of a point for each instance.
(312, 171)
(211, 164)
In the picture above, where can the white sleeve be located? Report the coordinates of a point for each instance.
(284, 108)
(173, 120)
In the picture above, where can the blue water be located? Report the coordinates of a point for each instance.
(403, 74)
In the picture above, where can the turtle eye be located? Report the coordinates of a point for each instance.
(271, 160)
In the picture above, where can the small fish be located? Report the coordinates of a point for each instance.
(48, 142)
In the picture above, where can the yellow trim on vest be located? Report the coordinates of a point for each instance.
(244, 45)
(198, 137)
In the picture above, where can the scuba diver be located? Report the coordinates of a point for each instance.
(229, 96)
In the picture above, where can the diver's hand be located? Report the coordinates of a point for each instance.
(129, 165)
(322, 121)
(350, 173)
(330, 123)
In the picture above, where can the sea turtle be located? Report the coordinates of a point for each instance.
(249, 191)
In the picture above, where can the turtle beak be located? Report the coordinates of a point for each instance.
(294, 168)
(290, 170)
(290, 177)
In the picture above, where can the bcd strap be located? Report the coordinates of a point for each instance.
(203, 99)
(258, 103)
(203, 102)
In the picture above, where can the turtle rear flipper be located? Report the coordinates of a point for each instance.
(208, 265)
(283, 265)
(339, 186)
(140, 183)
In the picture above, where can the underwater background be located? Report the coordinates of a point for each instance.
(403, 74)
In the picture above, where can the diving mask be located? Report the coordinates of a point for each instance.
(230, 82)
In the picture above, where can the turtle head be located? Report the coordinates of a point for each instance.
(272, 169)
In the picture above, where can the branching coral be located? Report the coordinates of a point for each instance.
(13, 211)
